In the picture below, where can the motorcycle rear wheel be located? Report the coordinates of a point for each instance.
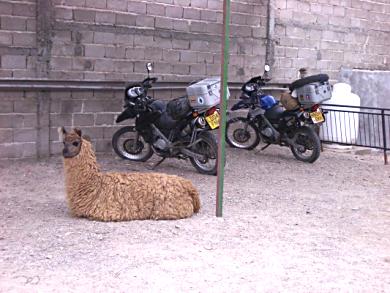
(242, 134)
(309, 145)
(206, 146)
(127, 146)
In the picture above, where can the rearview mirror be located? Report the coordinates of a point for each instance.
(267, 68)
(149, 66)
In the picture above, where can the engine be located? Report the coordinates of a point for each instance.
(160, 144)
(270, 133)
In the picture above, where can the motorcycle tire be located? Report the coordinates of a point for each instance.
(308, 140)
(241, 136)
(129, 149)
(207, 146)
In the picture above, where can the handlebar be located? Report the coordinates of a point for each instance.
(147, 82)
(256, 83)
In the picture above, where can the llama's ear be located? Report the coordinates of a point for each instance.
(86, 137)
(61, 133)
(78, 131)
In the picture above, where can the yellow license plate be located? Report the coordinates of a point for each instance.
(317, 117)
(213, 120)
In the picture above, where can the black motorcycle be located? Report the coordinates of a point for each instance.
(269, 122)
(171, 129)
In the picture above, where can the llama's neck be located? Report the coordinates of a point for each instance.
(82, 173)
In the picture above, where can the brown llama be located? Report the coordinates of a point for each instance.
(121, 196)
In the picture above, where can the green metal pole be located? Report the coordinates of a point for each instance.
(223, 104)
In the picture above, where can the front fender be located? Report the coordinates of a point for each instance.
(128, 113)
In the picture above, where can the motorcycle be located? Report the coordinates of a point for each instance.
(269, 122)
(171, 129)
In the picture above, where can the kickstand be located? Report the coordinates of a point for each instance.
(264, 147)
(157, 164)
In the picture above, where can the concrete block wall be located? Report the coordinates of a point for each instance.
(92, 111)
(17, 39)
(18, 124)
(109, 40)
(112, 40)
(327, 35)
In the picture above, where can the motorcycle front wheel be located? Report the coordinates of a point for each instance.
(129, 145)
(208, 147)
(307, 145)
(242, 134)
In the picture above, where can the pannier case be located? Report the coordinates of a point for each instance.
(205, 93)
(314, 93)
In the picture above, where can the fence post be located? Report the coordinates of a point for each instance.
(223, 103)
(384, 136)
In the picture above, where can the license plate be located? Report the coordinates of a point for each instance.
(213, 120)
(317, 117)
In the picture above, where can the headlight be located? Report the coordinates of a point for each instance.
(249, 88)
(135, 91)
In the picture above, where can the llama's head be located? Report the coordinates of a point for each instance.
(72, 141)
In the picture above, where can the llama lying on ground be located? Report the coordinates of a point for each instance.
(121, 196)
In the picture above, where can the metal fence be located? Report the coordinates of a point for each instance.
(359, 126)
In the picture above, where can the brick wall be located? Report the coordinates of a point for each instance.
(326, 35)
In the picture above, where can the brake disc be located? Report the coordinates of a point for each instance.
(132, 147)
(240, 135)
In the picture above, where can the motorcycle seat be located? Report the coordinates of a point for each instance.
(158, 106)
(275, 113)
(165, 121)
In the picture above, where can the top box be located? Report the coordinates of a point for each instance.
(205, 93)
(314, 93)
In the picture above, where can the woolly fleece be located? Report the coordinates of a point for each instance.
(125, 196)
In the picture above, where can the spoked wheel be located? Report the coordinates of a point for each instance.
(129, 145)
(242, 134)
(208, 147)
(307, 145)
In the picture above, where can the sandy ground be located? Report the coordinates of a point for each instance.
(287, 227)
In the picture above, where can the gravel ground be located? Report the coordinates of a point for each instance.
(287, 227)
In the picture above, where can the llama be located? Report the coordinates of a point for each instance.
(121, 196)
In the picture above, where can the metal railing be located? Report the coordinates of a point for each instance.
(358, 126)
